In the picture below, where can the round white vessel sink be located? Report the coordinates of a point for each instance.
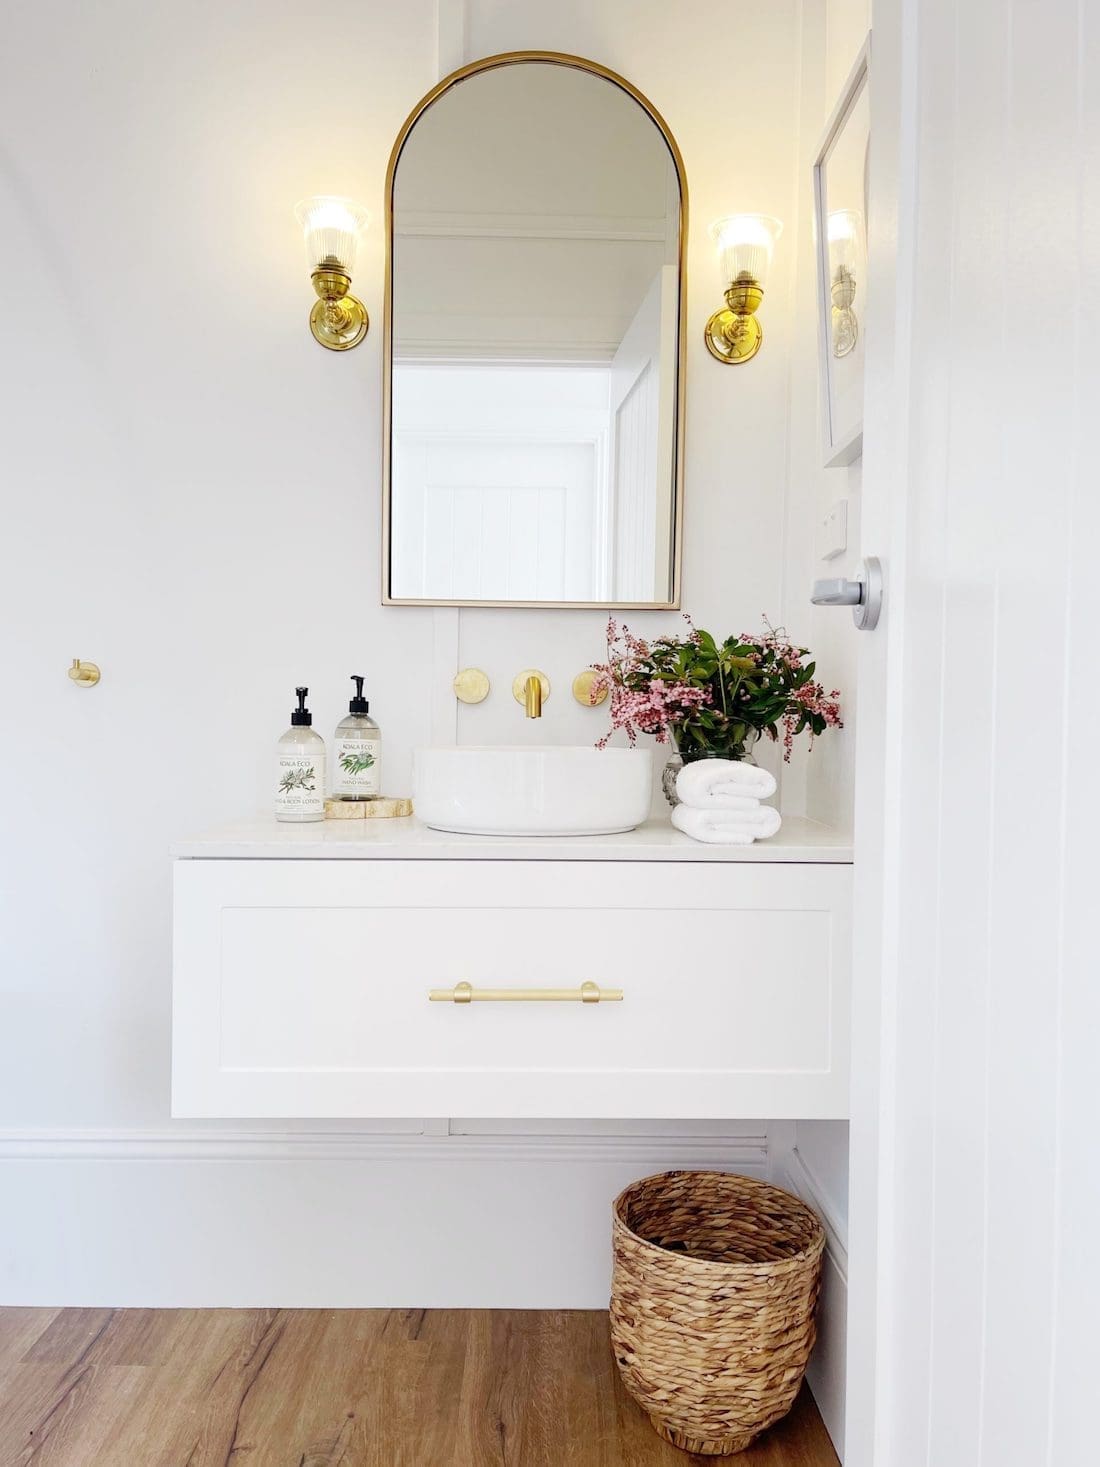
(542, 790)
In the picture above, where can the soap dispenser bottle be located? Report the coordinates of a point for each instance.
(358, 771)
(300, 768)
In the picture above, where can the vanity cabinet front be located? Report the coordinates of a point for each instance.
(302, 989)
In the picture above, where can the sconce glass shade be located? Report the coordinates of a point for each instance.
(845, 231)
(746, 244)
(331, 227)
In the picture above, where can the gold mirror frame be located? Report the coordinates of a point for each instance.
(491, 63)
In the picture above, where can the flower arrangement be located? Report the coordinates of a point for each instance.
(711, 698)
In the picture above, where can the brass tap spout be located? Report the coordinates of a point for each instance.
(532, 696)
(531, 688)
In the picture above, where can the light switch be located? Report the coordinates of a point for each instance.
(832, 532)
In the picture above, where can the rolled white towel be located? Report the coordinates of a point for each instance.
(709, 783)
(727, 827)
(722, 802)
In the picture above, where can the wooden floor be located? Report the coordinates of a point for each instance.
(313, 1388)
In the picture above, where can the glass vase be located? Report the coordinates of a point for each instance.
(693, 754)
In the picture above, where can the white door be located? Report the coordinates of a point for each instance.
(498, 520)
(643, 413)
(976, 1186)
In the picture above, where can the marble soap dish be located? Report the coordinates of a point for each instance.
(385, 807)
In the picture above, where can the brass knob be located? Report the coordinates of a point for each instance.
(583, 684)
(471, 685)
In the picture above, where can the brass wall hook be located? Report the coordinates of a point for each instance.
(84, 674)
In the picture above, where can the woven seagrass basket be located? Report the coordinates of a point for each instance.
(713, 1295)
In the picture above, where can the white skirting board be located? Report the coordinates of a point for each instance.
(827, 1375)
(328, 1218)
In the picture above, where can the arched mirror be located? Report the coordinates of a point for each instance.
(534, 342)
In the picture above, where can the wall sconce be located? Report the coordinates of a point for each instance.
(845, 231)
(331, 227)
(746, 243)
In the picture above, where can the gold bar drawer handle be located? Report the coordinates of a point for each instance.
(467, 993)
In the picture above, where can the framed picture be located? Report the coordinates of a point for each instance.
(840, 221)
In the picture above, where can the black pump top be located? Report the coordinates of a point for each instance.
(358, 704)
(301, 716)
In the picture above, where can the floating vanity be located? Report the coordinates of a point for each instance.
(366, 969)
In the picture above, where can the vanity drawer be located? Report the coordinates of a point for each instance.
(301, 989)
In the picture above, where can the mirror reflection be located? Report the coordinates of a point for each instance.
(535, 343)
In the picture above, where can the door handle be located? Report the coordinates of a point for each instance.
(839, 592)
(863, 595)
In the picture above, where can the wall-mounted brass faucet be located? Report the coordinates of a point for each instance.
(532, 697)
(531, 688)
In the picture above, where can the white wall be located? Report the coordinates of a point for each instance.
(192, 486)
(812, 1157)
(481, 1217)
(190, 483)
(191, 492)
(831, 34)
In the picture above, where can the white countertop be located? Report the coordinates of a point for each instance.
(800, 840)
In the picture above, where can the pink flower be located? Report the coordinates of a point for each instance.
(716, 696)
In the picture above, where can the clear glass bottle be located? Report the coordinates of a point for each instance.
(357, 769)
(300, 768)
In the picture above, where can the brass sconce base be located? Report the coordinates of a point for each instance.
(734, 335)
(733, 338)
(845, 323)
(845, 331)
(338, 320)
